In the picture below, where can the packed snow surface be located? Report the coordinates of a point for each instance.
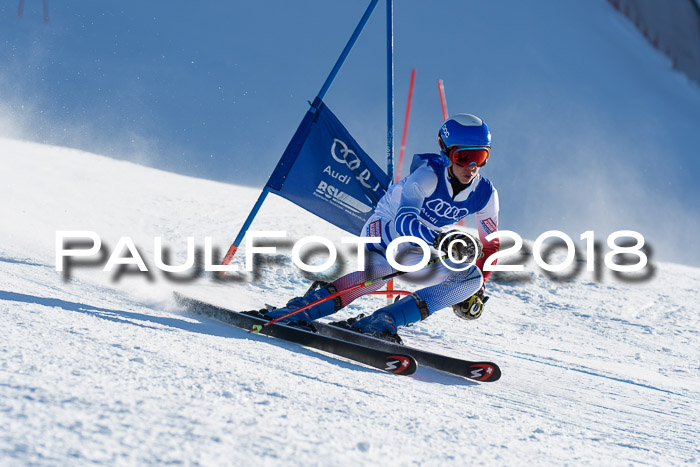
(105, 368)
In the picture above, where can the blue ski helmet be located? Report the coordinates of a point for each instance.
(463, 130)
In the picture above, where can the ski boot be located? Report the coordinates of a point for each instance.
(317, 291)
(384, 322)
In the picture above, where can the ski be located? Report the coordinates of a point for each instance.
(391, 361)
(476, 370)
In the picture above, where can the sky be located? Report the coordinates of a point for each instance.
(592, 129)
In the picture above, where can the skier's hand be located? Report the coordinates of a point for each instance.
(472, 307)
(459, 246)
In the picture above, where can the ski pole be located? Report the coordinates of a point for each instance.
(349, 289)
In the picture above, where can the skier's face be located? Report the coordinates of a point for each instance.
(465, 174)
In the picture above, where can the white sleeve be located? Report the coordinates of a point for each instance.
(417, 186)
(487, 223)
(487, 218)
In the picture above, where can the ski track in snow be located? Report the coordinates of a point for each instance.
(100, 370)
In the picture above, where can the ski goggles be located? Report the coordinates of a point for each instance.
(467, 155)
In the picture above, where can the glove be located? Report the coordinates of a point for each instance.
(459, 246)
(472, 307)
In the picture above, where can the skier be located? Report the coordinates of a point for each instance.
(440, 190)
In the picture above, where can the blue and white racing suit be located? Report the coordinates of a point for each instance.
(422, 205)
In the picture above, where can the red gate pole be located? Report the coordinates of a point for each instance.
(443, 102)
(402, 150)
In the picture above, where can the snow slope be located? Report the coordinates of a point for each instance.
(95, 369)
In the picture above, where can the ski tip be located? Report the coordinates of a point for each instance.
(484, 371)
(401, 364)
